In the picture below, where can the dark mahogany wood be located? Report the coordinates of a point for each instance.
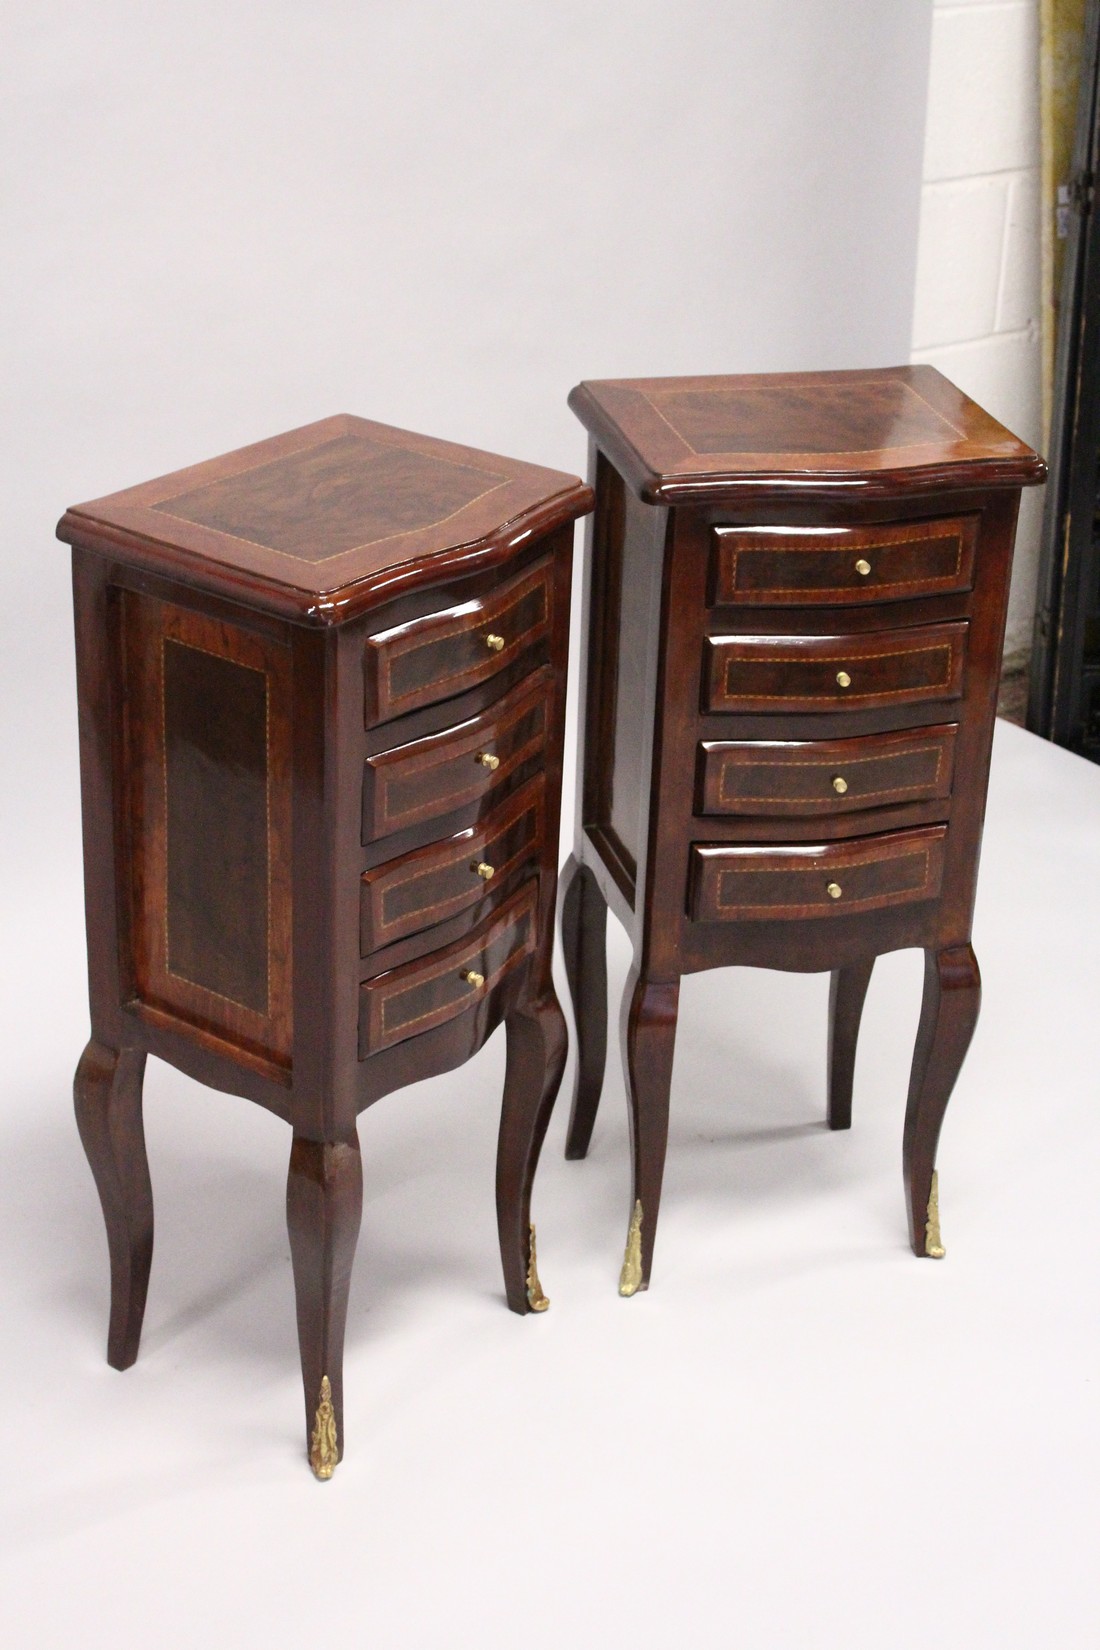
(821, 673)
(949, 1013)
(807, 566)
(469, 869)
(537, 1046)
(584, 942)
(795, 594)
(803, 777)
(847, 992)
(321, 811)
(443, 654)
(324, 1203)
(107, 1095)
(828, 880)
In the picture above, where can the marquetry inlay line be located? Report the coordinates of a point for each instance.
(827, 390)
(843, 658)
(874, 590)
(823, 764)
(162, 506)
(818, 867)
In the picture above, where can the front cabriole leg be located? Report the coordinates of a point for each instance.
(324, 1202)
(949, 1013)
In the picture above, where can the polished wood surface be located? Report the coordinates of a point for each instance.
(807, 566)
(321, 693)
(327, 520)
(801, 777)
(823, 436)
(795, 594)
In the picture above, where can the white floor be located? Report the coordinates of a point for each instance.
(801, 1437)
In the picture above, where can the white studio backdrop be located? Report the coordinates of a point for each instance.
(226, 219)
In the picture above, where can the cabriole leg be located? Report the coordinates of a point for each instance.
(324, 1202)
(537, 1043)
(648, 1033)
(584, 942)
(847, 990)
(949, 1013)
(107, 1097)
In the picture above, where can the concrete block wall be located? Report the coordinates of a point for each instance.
(977, 309)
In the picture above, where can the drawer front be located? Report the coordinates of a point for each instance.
(445, 653)
(431, 777)
(826, 776)
(830, 673)
(808, 566)
(435, 883)
(733, 883)
(433, 989)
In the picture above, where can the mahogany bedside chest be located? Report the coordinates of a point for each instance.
(321, 688)
(795, 602)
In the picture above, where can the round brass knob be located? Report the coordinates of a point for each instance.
(834, 890)
(843, 679)
(472, 977)
(495, 644)
(863, 567)
(840, 785)
(488, 760)
(484, 870)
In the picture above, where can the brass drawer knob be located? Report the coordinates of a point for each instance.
(484, 870)
(495, 644)
(840, 785)
(834, 890)
(843, 679)
(863, 567)
(488, 760)
(472, 977)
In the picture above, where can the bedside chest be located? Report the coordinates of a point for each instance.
(321, 688)
(796, 589)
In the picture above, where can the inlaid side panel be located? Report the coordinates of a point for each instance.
(208, 730)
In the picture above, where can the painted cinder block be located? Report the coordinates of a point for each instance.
(983, 107)
(959, 258)
(1019, 300)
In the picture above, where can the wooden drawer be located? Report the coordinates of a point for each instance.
(825, 776)
(811, 566)
(830, 673)
(732, 883)
(434, 776)
(445, 653)
(434, 883)
(423, 994)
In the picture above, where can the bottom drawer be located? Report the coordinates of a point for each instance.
(423, 994)
(728, 883)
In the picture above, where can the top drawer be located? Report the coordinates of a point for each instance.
(839, 566)
(445, 653)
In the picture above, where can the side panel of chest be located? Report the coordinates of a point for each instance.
(205, 889)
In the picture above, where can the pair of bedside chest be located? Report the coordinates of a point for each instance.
(322, 693)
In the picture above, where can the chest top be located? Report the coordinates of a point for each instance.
(322, 522)
(800, 435)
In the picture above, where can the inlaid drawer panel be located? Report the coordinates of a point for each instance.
(435, 883)
(826, 776)
(830, 673)
(423, 994)
(730, 883)
(445, 653)
(433, 776)
(812, 566)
